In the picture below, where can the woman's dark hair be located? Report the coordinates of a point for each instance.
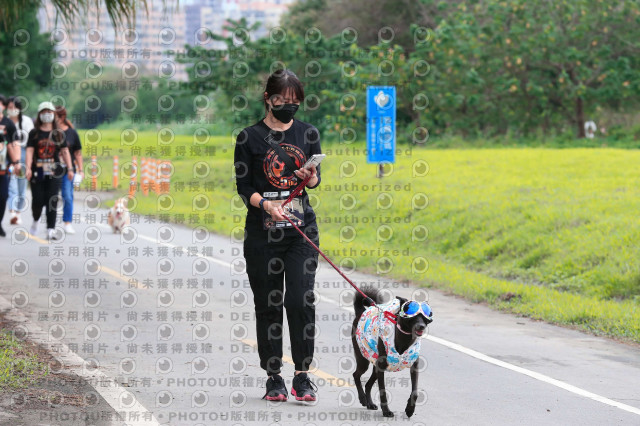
(280, 82)
(16, 103)
(61, 112)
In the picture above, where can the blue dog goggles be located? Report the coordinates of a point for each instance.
(411, 308)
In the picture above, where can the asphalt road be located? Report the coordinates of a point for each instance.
(167, 312)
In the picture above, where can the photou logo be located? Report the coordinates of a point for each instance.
(164, 365)
(92, 299)
(199, 365)
(128, 333)
(128, 299)
(200, 299)
(165, 299)
(237, 365)
(239, 332)
(237, 398)
(92, 332)
(200, 332)
(164, 398)
(19, 299)
(92, 267)
(165, 266)
(56, 299)
(19, 268)
(200, 267)
(200, 235)
(165, 332)
(199, 399)
(127, 366)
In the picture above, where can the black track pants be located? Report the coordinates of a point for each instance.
(290, 259)
(4, 192)
(45, 194)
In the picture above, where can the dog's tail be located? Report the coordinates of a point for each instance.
(359, 300)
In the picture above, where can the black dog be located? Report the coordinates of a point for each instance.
(405, 339)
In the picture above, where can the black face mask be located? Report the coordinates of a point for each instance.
(285, 112)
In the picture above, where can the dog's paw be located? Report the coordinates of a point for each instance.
(387, 413)
(371, 406)
(410, 410)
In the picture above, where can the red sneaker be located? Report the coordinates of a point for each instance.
(303, 388)
(276, 390)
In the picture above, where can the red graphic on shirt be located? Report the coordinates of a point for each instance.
(46, 149)
(274, 167)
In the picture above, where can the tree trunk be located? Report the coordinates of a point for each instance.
(580, 118)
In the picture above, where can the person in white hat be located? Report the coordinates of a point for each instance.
(45, 146)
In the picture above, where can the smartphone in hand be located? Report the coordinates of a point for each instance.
(314, 160)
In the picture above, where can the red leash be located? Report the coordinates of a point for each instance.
(297, 191)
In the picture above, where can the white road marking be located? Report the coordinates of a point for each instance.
(120, 399)
(538, 376)
(467, 351)
(543, 378)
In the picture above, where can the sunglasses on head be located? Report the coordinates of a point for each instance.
(411, 308)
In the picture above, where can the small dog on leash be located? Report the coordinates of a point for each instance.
(388, 336)
(118, 216)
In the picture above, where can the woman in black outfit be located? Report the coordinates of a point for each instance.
(44, 171)
(274, 251)
(75, 151)
(9, 155)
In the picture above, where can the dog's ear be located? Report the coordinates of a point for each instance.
(401, 299)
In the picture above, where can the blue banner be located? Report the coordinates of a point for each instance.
(381, 124)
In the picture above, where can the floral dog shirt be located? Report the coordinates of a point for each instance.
(373, 324)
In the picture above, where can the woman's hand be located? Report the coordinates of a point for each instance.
(303, 173)
(274, 210)
(70, 175)
(28, 173)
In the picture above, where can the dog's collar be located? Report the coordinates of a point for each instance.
(398, 327)
(393, 318)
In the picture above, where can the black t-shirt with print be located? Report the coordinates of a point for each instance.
(259, 169)
(73, 143)
(46, 152)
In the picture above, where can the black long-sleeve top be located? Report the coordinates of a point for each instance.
(259, 169)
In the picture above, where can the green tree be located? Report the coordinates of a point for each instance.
(516, 64)
(26, 56)
(364, 22)
(487, 67)
(303, 15)
(235, 75)
(121, 12)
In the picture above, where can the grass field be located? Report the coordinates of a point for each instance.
(548, 233)
(19, 364)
